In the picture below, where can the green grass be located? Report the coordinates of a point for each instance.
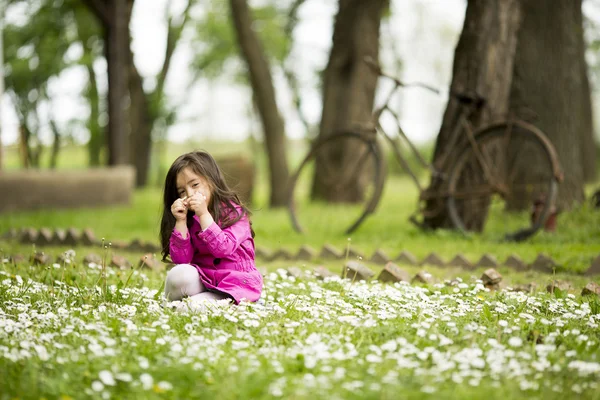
(573, 246)
(70, 331)
(76, 331)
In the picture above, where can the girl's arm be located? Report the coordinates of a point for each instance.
(180, 247)
(224, 242)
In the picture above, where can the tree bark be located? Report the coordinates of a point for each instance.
(24, 150)
(55, 145)
(117, 61)
(588, 142)
(349, 88)
(262, 85)
(549, 85)
(95, 143)
(114, 18)
(141, 125)
(145, 108)
(483, 66)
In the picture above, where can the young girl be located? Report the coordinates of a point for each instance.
(206, 231)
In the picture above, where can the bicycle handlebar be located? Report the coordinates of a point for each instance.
(375, 66)
(467, 98)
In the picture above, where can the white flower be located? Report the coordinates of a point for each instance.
(107, 378)
(164, 385)
(147, 381)
(123, 377)
(515, 341)
(97, 386)
(144, 364)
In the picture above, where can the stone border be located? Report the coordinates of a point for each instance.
(86, 237)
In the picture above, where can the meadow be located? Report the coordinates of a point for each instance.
(71, 330)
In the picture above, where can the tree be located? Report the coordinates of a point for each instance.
(349, 85)
(483, 65)
(90, 36)
(35, 53)
(262, 86)
(550, 86)
(114, 17)
(149, 106)
(126, 84)
(1, 78)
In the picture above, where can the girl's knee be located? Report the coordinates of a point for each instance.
(181, 274)
(182, 280)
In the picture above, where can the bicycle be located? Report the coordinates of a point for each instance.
(500, 166)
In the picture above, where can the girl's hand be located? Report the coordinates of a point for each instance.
(198, 204)
(179, 210)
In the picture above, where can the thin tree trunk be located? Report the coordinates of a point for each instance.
(96, 141)
(145, 108)
(349, 88)
(548, 84)
(117, 60)
(588, 142)
(483, 66)
(24, 151)
(55, 145)
(141, 125)
(262, 85)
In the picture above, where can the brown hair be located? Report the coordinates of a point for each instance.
(223, 200)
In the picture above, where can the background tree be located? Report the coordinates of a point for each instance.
(149, 106)
(114, 17)
(2, 10)
(35, 53)
(125, 84)
(259, 73)
(349, 84)
(550, 86)
(483, 65)
(217, 50)
(89, 33)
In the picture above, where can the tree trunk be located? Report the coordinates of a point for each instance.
(262, 86)
(116, 42)
(141, 125)
(145, 108)
(588, 142)
(24, 150)
(140, 118)
(483, 65)
(549, 84)
(349, 88)
(96, 141)
(55, 145)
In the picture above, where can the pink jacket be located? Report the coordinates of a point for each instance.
(224, 258)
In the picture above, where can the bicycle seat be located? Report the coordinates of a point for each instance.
(469, 98)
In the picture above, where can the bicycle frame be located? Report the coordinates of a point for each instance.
(436, 170)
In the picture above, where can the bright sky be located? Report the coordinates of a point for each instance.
(422, 32)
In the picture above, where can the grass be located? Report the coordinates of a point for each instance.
(70, 330)
(86, 331)
(573, 246)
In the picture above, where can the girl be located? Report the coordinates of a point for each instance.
(206, 231)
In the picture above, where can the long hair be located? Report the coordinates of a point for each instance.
(223, 200)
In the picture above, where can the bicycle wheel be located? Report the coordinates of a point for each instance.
(494, 185)
(337, 185)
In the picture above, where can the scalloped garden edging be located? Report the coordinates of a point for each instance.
(74, 237)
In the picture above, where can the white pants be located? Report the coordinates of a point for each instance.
(183, 281)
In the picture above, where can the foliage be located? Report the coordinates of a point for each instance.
(39, 46)
(215, 44)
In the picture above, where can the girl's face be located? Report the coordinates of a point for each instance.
(189, 183)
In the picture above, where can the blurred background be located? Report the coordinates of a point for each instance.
(90, 83)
